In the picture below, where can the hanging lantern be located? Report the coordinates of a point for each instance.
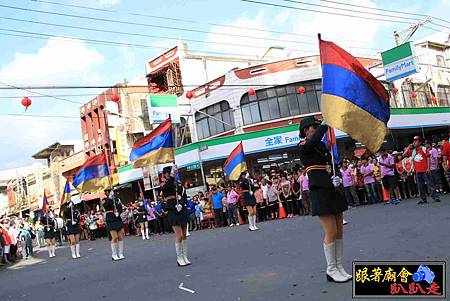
(189, 94)
(414, 95)
(301, 90)
(433, 98)
(115, 98)
(26, 102)
(251, 92)
(395, 90)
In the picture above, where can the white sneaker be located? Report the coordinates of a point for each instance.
(231, 225)
(237, 224)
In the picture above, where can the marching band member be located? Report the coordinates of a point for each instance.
(175, 203)
(49, 233)
(113, 208)
(73, 229)
(327, 201)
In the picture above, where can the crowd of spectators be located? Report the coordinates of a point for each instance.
(387, 176)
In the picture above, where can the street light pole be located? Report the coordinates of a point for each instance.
(200, 149)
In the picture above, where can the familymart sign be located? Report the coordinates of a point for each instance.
(399, 62)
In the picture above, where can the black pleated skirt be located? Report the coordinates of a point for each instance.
(49, 234)
(327, 201)
(248, 199)
(72, 229)
(113, 223)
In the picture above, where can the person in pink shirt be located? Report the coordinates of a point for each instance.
(387, 165)
(347, 182)
(232, 198)
(304, 182)
(369, 180)
(433, 177)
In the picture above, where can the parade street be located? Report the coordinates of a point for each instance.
(282, 261)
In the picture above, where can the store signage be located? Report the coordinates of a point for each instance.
(162, 106)
(399, 62)
(194, 166)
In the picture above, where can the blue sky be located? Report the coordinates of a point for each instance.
(51, 61)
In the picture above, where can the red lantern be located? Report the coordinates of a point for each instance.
(26, 102)
(433, 98)
(251, 92)
(115, 98)
(395, 90)
(189, 94)
(414, 95)
(301, 90)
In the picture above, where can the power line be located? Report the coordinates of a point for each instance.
(150, 36)
(38, 93)
(330, 13)
(121, 12)
(386, 10)
(73, 39)
(144, 24)
(356, 11)
(39, 116)
(59, 95)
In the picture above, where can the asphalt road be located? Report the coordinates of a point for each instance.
(283, 261)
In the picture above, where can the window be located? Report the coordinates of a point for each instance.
(440, 60)
(209, 124)
(281, 102)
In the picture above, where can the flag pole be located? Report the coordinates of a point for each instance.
(330, 129)
(331, 148)
(174, 163)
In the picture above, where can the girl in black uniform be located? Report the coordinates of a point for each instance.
(175, 199)
(327, 198)
(49, 233)
(73, 229)
(141, 219)
(113, 208)
(249, 202)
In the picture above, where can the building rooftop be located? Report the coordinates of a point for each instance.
(45, 153)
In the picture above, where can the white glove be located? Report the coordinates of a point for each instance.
(337, 181)
(178, 207)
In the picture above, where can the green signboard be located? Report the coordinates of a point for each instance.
(399, 62)
(161, 106)
(194, 166)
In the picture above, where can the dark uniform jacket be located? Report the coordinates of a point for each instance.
(314, 152)
(168, 190)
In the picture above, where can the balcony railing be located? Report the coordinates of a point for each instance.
(421, 100)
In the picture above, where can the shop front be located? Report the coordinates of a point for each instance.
(276, 148)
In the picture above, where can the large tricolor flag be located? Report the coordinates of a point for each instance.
(93, 175)
(44, 208)
(155, 148)
(235, 163)
(353, 100)
(65, 198)
(329, 139)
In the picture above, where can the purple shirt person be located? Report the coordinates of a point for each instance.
(388, 160)
(433, 159)
(347, 179)
(305, 182)
(150, 213)
(367, 171)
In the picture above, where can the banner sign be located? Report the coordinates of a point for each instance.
(399, 280)
(161, 106)
(399, 62)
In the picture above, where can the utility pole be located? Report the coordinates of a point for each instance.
(411, 29)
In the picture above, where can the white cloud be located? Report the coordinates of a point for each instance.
(107, 3)
(349, 33)
(250, 46)
(57, 62)
(282, 17)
